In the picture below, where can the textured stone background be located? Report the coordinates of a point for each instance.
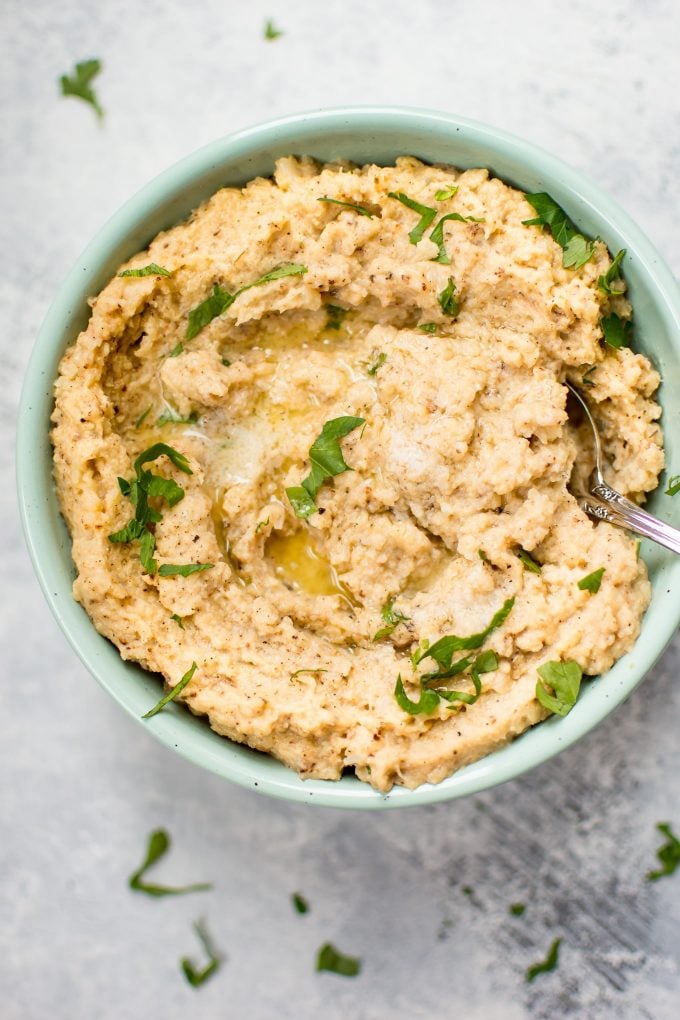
(82, 785)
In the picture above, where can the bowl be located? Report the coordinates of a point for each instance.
(362, 134)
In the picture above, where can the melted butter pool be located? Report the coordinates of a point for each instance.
(299, 564)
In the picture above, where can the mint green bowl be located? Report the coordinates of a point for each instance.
(362, 134)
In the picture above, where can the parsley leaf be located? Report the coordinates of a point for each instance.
(673, 485)
(300, 903)
(592, 582)
(585, 381)
(546, 965)
(171, 417)
(270, 31)
(517, 909)
(142, 416)
(289, 269)
(392, 617)
(668, 854)
(604, 283)
(449, 304)
(335, 316)
(428, 327)
(179, 620)
(220, 299)
(529, 562)
(79, 83)
(565, 680)
(576, 250)
(329, 958)
(442, 651)
(184, 569)
(378, 363)
(151, 270)
(426, 704)
(361, 209)
(444, 194)
(437, 235)
(427, 215)
(159, 844)
(260, 525)
(172, 694)
(194, 976)
(616, 331)
(326, 459)
(177, 350)
(162, 450)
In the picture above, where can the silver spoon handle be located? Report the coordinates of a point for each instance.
(614, 508)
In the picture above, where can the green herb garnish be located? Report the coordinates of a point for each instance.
(172, 694)
(151, 270)
(529, 562)
(517, 909)
(79, 84)
(392, 617)
(171, 417)
(308, 669)
(327, 461)
(668, 854)
(329, 958)
(673, 485)
(179, 620)
(336, 314)
(444, 194)
(427, 703)
(270, 31)
(448, 303)
(194, 976)
(585, 381)
(546, 965)
(437, 235)
(427, 215)
(226, 362)
(428, 327)
(576, 250)
(159, 844)
(142, 416)
(616, 331)
(183, 569)
(592, 582)
(220, 299)
(361, 209)
(260, 525)
(300, 903)
(565, 680)
(378, 363)
(482, 555)
(443, 650)
(176, 350)
(604, 282)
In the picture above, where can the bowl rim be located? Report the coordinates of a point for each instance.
(36, 491)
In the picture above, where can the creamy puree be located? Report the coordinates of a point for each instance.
(465, 459)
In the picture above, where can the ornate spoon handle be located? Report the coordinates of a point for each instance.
(614, 508)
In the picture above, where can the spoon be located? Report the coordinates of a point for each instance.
(614, 508)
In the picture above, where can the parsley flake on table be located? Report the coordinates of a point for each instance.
(565, 680)
(361, 209)
(668, 853)
(329, 958)
(220, 300)
(528, 562)
(616, 331)
(604, 282)
(327, 461)
(270, 31)
(79, 84)
(673, 486)
(158, 846)
(576, 249)
(592, 582)
(517, 909)
(194, 976)
(151, 270)
(448, 303)
(392, 617)
(545, 966)
(172, 694)
(427, 215)
(300, 903)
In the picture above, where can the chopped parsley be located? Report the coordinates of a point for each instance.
(151, 270)
(336, 314)
(183, 569)
(260, 525)
(176, 350)
(179, 620)
(226, 362)
(565, 680)
(444, 194)
(378, 363)
(327, 461)
(592, 582)
(172, 694)
(144, 487)
(482, 555)
(142, 416)
(517, 909)
(437, 235)
(585, 380)
(361, 209)
(428, 327)
(171, 417)
(194, 976)
(300, 903)
(270, 31)
(329, 958)
(79, 84)
(673, 485)
(448, 303)
(668, 853)
(546, 965)
(616, 331)
(220, 299)
(298, 672)
(443, 650)
(576, 249)
(604, 282)
(529, 562)
(158, 846)
(427, 703)
(392, 617)
(427, 215)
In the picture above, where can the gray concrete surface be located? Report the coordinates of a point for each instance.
(82, 785)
